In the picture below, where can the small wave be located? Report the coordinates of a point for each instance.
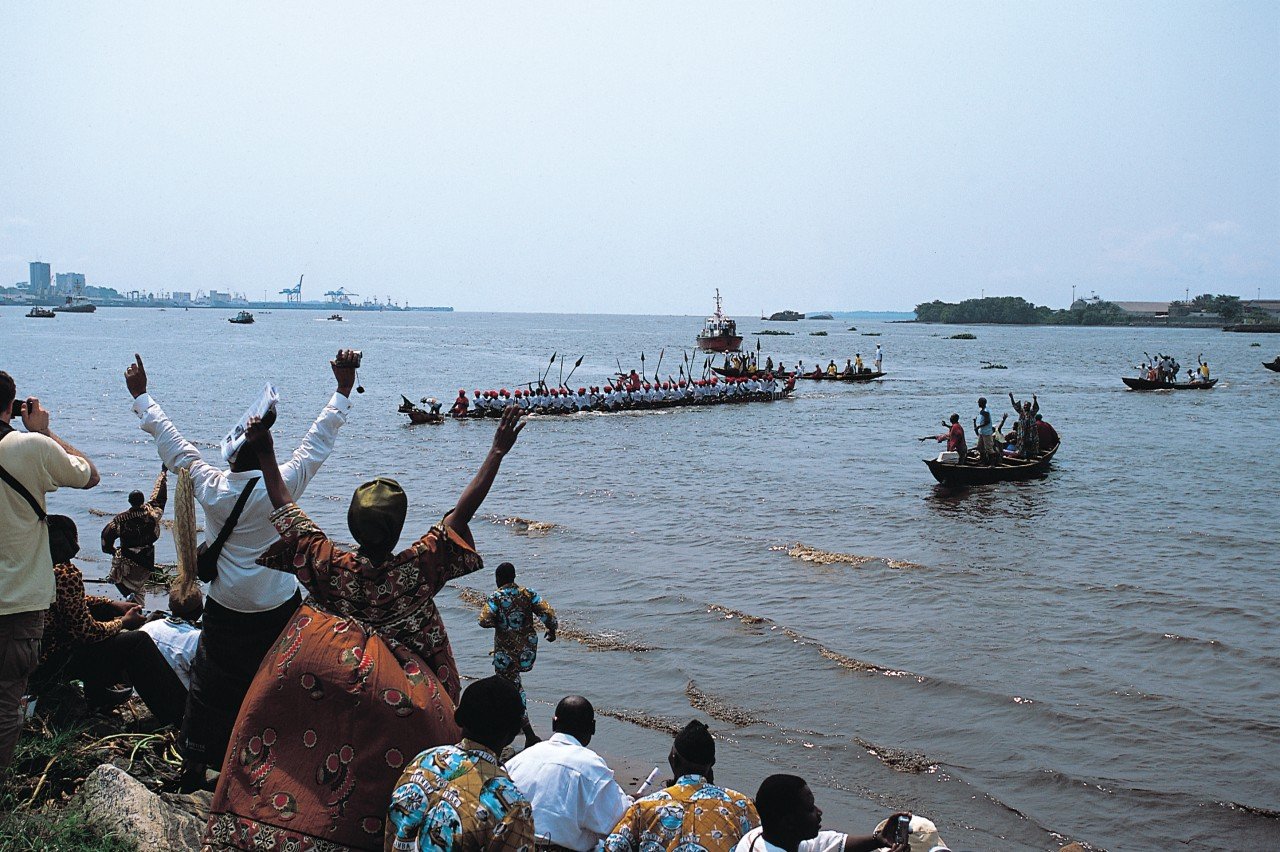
(652, 721)
(805, 553)
(102, 513)
(898, 759)
(1265, 813)
(604, 640)
(523, 526)
(717, 708)
(1194, 640)
(842, 660)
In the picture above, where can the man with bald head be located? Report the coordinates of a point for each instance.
(575, 799)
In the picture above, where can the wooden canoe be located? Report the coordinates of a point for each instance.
(973, 472)
(841, 377)
(1147, 384)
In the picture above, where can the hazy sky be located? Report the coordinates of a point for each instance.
(631, 157)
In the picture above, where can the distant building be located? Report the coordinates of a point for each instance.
(1271, 306)
(1144, 309)
(67, 283)
(39, 278)
(182, 295)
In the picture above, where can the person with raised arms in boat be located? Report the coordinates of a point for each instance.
(1028, 439)
(954, 436)
(1203, 369)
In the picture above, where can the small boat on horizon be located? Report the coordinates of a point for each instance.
(719, 333)
(336, 317)
(242, 318)
(41, 313)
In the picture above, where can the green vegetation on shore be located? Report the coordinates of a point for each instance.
(1015, 310)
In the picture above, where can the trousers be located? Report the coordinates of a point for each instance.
(20, 635)
(232, 646)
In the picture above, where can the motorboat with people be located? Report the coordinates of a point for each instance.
(973, 471)
(41, 313)
(336, 317)
(1161, 373)
(242, 318)
(719, 332)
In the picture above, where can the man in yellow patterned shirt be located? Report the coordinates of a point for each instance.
(458, 797)
(692, 814)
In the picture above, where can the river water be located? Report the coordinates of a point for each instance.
(1093, 656)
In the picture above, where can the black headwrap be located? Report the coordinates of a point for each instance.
(695, 744)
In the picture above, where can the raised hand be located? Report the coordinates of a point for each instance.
(135, 377)
(257, 436)
(344, 370)
(509, 428)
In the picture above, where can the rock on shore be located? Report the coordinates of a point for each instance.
(118, 805)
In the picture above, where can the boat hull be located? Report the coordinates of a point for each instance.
(1148, 385)
(1012, 470)
(75, 309)
(856, 377)
(1272, 365)
(720, 343)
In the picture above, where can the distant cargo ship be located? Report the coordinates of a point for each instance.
(76, 305)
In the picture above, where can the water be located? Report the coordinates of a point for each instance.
(1090, 657)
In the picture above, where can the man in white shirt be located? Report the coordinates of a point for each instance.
(248, 605)
(576, 801)
(791, 821)
(178, 635)
(40, 462)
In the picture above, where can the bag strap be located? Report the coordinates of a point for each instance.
(234, 518)
(19, 487)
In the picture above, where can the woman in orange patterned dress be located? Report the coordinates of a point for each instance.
(362, 678)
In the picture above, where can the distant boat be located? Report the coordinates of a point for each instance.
(41, 313)
(821, 317)
(336, 317)
(719, 333)
(242, 318)
(76, 305)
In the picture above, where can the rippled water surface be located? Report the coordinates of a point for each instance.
(1093, 656)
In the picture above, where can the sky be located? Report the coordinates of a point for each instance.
(631, 157)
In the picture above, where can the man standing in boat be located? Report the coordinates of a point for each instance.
(879, 357)
(138, 530)
(986, 433)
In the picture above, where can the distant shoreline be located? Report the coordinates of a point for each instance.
(241, 306)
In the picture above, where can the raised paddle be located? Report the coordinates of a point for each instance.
(576, 365)
(543, 379)
(658, 369)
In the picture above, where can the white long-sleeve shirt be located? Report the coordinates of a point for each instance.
(576, 801)
(242, 584)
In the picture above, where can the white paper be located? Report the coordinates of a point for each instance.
(267, 401)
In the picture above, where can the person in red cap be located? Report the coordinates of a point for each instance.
(460, 405)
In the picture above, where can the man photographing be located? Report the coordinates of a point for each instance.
(32, 464)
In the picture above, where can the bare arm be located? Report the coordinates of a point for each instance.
(509, 428)
(258, 440)
(36, 419)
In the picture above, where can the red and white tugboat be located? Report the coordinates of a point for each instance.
(719, 333)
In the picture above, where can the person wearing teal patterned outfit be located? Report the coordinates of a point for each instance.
(512, 612)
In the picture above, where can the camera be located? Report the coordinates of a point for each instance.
(15, 410)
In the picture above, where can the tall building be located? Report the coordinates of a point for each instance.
(39, 278)
(68, 283)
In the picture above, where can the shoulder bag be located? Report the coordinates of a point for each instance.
(207, 554)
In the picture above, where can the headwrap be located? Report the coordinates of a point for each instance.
(695, 744)
(376, 516)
